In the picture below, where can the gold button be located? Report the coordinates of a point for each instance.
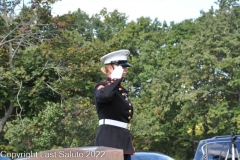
(120, 89)
(130, 104)
(129, 117)
(123, 94)
(130, 111)
(126, 99)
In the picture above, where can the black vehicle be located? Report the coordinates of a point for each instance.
(150, 156)
(219, 148)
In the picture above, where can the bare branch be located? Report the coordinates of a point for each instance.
(54, 90)
(1, 43)
(19, 113)
(32, 35)
(14, 6)
(13, 54)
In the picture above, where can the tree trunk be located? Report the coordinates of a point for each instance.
(6, 116)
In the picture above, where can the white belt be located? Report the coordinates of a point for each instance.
(115, 123)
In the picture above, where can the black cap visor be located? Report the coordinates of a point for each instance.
(121, 63)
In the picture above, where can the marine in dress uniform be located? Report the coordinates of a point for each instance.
(113, 106)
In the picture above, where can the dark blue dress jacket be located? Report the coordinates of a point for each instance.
(112, 102)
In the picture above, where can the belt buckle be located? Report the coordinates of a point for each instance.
(128, 126)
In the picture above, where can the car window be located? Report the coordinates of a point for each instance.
(216, 150)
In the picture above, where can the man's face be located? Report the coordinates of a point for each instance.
(125, 72)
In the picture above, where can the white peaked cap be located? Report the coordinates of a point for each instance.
(120, 55)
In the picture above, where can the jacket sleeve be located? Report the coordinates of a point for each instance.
(104, 92)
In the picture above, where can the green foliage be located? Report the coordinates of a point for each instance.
(58, 125)
(113, 23)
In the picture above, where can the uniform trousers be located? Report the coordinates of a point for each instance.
(127, 157)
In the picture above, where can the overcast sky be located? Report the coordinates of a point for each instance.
(168, 10)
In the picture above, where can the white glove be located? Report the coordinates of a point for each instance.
(117, 72)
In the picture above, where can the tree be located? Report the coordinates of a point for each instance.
(18, 31)
(112, 23)
(212, 60)
(193, 91)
